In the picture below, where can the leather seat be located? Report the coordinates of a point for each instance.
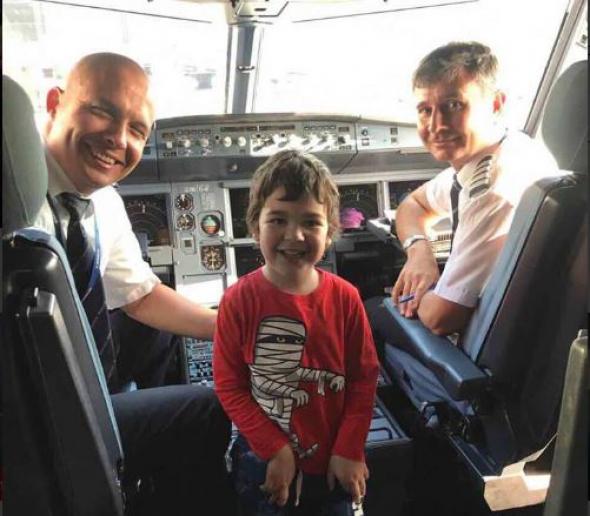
(62, 451)
(497, 396)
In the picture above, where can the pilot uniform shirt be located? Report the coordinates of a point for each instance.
(126, 276)
(493, 183)
(296, 369)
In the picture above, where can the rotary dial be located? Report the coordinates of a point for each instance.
(185, 221)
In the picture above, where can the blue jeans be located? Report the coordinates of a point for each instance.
(316, 499)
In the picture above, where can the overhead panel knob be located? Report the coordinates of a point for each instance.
(241, 141)
(227, 141)
(204, 142)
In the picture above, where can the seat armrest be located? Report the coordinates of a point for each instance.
(457, 373)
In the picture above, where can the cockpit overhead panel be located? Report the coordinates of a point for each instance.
(226, 147)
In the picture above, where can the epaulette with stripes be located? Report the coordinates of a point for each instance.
(481, 179)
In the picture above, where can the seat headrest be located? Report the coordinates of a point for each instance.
(24, 172)
(565, 120)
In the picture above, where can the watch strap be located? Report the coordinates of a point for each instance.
(412, 239)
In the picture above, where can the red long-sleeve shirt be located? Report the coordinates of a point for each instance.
(296, 368)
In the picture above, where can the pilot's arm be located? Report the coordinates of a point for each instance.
(165, 309)
(420, 271)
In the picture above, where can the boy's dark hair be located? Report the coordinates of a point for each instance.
(450, 61)
(300, 174)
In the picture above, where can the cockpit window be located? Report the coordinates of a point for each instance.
(184, 51)
(312, 58)
(362, 65)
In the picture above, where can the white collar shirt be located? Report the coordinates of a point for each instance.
(126, 276)
(493, 183)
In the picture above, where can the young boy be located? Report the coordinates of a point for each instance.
(295, 365)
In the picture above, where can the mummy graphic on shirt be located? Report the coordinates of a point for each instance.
(276, 373)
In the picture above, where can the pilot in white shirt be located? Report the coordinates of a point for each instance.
(492, 186)
(126, 276)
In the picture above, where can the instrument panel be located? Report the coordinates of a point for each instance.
(190, 193)
(149, 214)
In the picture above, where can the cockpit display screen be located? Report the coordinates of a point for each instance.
(358, 204)
(239, 198)
(399, 190)
(148, 215)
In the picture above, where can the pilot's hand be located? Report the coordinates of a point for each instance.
(351, 475)
(300, 396)
(418, 275)
(279, 475)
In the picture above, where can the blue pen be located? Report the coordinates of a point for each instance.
(409, 297)
(405, 299)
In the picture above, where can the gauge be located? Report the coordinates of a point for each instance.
(184, 202)
(148, 215)
(211, 224)
(358, 203)
(213, 257)
(185, 221)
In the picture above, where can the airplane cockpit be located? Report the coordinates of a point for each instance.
(233, 83)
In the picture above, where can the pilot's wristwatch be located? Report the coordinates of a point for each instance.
(412, 239)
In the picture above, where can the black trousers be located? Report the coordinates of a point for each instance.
(144, 354)
(174, 441)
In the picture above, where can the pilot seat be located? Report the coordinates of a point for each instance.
(62, 452)
(502, 385)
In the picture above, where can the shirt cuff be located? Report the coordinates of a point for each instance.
(141, 290)
(457, 295)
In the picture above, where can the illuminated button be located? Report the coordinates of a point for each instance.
(227, 141)
(169, 144)
(241, 141)
(204, 142)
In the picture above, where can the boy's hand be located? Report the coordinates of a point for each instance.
(351, 475)
(279, 475)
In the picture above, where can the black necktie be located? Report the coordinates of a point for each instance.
(78, 248)
(81, 255)
(455, 189)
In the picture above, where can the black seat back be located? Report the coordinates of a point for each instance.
(568, 490)
(62, 452)
(535, 300)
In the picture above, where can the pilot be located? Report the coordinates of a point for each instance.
(459, 119)
(174, 438)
